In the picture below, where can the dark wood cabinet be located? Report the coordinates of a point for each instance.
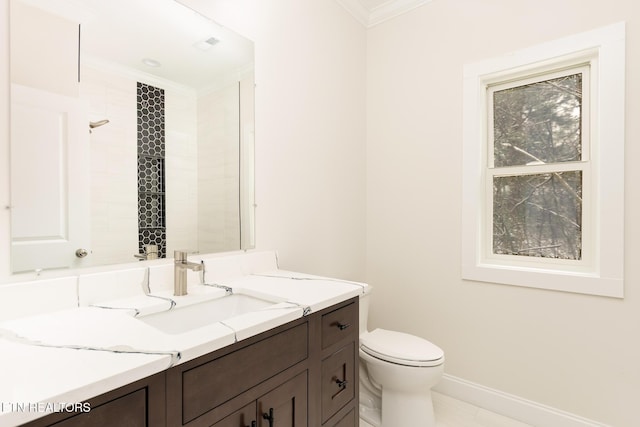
(197, 388)
(339, 381)
(301, 374)
(284, 406)
(139, 404)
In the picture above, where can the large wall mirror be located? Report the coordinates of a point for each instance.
(131, 133)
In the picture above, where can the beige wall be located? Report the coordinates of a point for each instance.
(574, 352)
(56, 41)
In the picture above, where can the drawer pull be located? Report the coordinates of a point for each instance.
(253, 424)
(343, 326)
(269, 417)
(342, 384)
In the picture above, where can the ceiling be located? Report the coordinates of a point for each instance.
(186, 47)
(372, 12)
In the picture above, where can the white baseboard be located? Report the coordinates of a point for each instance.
(511, 406)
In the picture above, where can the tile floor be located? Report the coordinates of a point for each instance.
(455, 413)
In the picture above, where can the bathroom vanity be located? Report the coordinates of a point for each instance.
(291, 363)
(303, 373)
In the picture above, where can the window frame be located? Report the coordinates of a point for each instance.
(601, 267)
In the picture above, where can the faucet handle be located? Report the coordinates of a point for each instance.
(180, 256)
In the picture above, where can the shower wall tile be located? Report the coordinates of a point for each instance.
(218, 183)
(114, 165)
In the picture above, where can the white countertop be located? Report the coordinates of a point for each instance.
(76, 354)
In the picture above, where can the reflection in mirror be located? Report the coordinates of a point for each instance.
(131, 133)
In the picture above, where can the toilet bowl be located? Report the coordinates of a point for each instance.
(397, 372)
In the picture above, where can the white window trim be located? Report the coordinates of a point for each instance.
(604, 48)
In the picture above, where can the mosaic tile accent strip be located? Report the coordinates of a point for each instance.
(151, 171)
(156, 237)
(151, 135)
(150, 174)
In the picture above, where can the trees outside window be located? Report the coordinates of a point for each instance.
(534, 127)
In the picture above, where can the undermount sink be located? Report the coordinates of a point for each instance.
(183, 319)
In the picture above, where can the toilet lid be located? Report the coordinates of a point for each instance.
(401, 348)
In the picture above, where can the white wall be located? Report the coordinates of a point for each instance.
(310, 129)
(574, 352)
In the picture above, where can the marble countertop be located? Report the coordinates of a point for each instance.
(71, 355)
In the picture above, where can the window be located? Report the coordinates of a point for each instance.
(543, 157)
(538, 139)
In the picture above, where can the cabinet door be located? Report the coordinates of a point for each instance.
(245, 417)
(286, 405)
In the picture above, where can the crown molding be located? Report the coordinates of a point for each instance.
(371, 16)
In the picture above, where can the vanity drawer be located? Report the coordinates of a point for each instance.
(338, 380)
(339, 324)
(207, 386)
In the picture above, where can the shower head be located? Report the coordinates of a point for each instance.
(97, 124)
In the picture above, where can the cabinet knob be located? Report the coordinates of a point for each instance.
(343, 326)
(253, 424)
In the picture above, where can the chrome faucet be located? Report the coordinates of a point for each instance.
(149, 252)
(181, 264)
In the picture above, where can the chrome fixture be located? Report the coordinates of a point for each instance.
(93, 125)
(148, 252)
(181, 264)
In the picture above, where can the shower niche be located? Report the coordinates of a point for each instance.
(151, 169)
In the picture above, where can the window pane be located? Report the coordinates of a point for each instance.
(538, 122)
(538, 215)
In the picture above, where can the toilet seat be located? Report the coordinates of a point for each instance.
(401, 348)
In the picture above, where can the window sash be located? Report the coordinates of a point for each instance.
(510, 82)
(587, 235)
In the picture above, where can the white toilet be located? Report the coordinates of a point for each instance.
(397, 372)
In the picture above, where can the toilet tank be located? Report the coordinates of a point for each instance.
(365, 297)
